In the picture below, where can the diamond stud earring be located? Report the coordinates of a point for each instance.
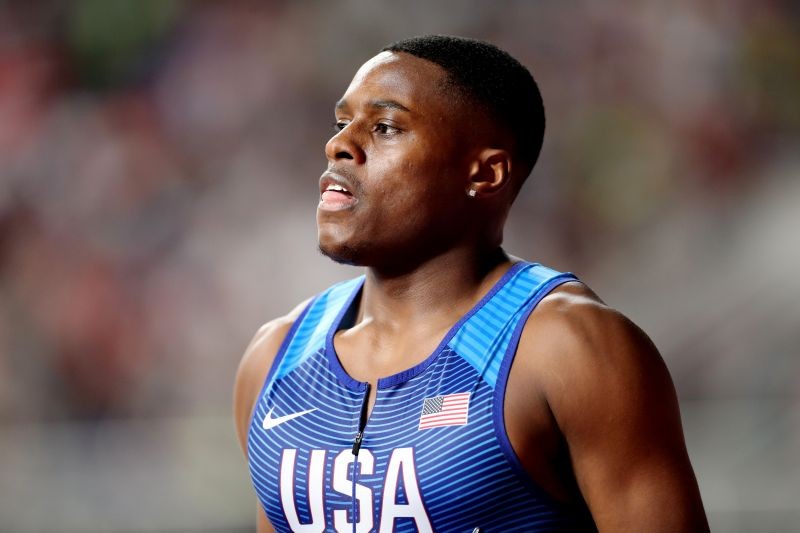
(471, 193)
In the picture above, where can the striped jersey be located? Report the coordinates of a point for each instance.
(433, 455)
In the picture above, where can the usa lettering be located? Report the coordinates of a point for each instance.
(400, 470)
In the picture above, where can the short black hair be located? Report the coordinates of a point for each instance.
(492, 78)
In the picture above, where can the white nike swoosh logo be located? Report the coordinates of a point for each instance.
(270, 422)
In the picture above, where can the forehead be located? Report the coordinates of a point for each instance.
(414, 83)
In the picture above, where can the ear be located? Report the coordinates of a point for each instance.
(490, 172)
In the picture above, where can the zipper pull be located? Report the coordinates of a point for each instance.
(362, 422)
(357, 442)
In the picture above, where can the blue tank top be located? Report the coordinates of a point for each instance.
(433, 454)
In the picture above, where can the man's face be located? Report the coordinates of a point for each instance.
(402, 152)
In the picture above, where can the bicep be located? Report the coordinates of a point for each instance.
(617, 409)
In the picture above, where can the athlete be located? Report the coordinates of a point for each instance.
(453, 387)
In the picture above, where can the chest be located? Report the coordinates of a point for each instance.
(434, 452)
(420, 446)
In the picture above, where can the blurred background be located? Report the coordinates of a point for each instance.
(158, 183)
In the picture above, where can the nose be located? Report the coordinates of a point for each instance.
(344, 146)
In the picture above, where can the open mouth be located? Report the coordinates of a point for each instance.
(336, 197)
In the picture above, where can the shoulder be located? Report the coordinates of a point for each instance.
(255, 365)
(573, 312)
(579, 348)
(572, 329)
(608, 392)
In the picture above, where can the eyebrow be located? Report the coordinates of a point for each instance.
(377, 104)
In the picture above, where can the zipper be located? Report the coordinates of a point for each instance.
(362, 422)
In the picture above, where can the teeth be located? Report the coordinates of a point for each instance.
(334, 187)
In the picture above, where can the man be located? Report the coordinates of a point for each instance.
(453, 387)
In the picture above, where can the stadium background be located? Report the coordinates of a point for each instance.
(158, 171)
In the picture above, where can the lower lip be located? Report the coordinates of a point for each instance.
(336, 201)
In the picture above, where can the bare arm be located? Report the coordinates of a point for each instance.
(262, 524)
(613, 401)
(253, 370)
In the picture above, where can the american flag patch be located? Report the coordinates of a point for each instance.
(448, 410)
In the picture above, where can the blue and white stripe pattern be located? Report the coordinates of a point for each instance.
(450, 478)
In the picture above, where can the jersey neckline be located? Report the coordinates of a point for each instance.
(401, 377)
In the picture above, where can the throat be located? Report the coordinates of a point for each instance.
(443, 288)
(367, 356)
(389, 329)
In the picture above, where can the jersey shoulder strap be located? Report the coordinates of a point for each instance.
(307, 335)
(486, 335)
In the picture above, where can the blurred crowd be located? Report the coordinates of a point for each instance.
(159, 161)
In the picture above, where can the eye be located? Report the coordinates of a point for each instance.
(386, 129)
(339, 125)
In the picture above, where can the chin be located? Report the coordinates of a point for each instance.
(342, 253)
(339, 244)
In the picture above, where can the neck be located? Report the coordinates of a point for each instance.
(443, 286)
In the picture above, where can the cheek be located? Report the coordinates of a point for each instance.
(407, 190)
(409, 214)
(405, 193)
